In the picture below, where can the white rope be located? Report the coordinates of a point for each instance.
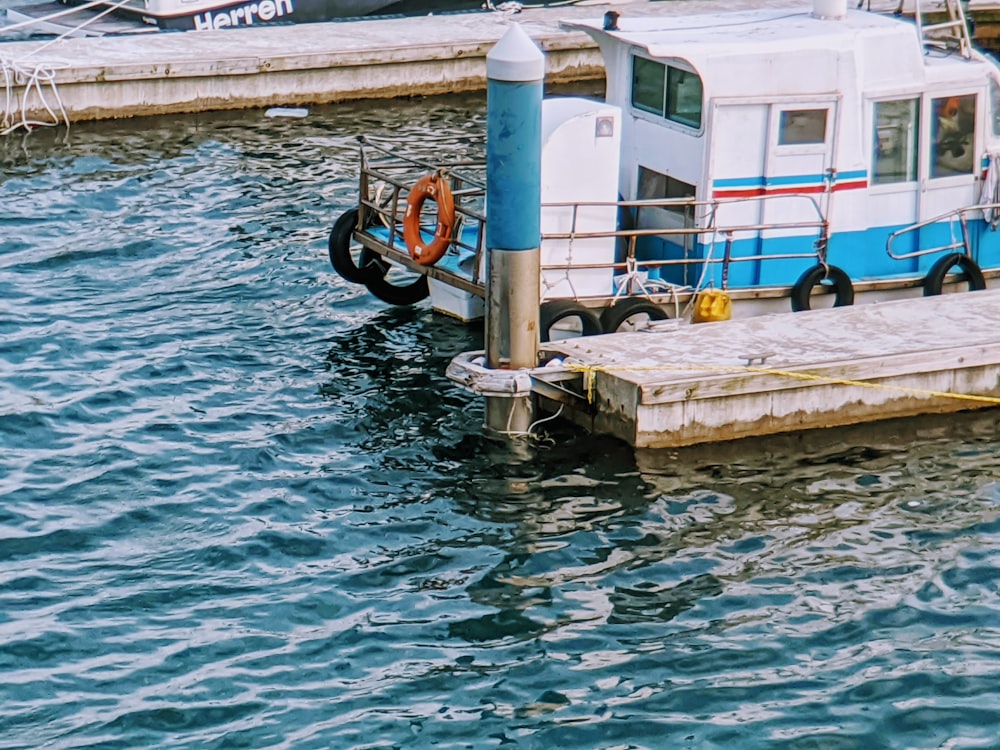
(530, 432)
(20, 81)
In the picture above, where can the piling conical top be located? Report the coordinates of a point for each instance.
(515, 58)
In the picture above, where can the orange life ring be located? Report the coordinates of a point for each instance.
(432, 186)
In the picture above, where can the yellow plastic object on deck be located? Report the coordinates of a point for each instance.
(712, 305)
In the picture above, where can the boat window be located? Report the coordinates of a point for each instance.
(952, 125)
(683, 97)
(668, 91)
(802, 126)
(648, 85)
(656, 186)
(894, 157)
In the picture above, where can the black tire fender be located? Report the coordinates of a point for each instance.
(340, 251)
(554, 311)
(378, 285)
(613, 317)
(934, 280)
(840, 283)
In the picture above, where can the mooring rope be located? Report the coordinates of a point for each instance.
(19, 81)
(21, 78)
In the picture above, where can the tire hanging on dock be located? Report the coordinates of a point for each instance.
(829, 278)
(564, 311)
(341, 257)
(934, 281)
(380, 286)
(612, 318)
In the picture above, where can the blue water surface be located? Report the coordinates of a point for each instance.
(243, 507)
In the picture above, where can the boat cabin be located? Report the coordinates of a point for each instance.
(845, 126)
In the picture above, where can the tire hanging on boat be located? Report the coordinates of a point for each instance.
(613, 317)
(934, 281)
(560, 310)
(340, 250)
(435, 187)
(838, 280)
(385, 290)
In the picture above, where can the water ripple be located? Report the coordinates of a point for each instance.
(243, 507)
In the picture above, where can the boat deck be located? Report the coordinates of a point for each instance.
(671, 386)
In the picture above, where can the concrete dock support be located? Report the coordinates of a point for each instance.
(515, 68)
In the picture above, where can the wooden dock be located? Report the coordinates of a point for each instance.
(299, 65)
(672, 386)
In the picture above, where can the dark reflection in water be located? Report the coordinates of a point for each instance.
(244, 508)
(646, 603)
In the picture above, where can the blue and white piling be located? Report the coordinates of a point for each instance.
(515, 70)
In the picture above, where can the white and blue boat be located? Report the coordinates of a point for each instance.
(740, 163)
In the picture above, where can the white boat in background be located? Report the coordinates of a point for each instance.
(210, 15)
(204, 15)
(741, 163)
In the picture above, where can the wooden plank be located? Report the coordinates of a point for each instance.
(827, 406)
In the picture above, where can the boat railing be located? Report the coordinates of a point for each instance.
(708, 225)
(471, 173)
(387, 179)
(387, 176)
(960, 240)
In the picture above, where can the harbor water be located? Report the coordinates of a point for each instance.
(242, 507)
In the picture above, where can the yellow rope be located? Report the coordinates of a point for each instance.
(589, 371)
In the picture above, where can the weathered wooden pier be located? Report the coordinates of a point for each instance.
(672, 386)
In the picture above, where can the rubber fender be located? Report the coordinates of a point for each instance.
(558, 310)
(838, 281)
(341, 257)
(381, 287)
(613, 317)
(934, 280)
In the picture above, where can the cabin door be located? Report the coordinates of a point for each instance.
(894, 187)
(923, 166)
(772, 164)
(951, 169)
(798, 184)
